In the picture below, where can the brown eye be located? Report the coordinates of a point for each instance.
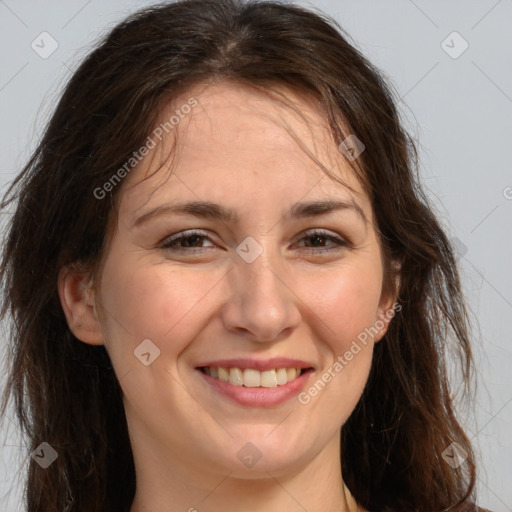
(185, 241)
(317, 238)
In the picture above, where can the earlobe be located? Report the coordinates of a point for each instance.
(386, 312)
(77, 300)
(382, 323)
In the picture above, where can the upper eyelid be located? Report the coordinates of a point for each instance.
(184, 234)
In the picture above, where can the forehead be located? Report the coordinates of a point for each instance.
(237, 141)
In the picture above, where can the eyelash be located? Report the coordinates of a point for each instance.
(170, 244)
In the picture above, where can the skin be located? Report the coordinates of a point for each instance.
(295, 300)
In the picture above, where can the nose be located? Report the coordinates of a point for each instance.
(262, 305)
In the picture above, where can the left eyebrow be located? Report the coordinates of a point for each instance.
(209, 210)
(317, 208)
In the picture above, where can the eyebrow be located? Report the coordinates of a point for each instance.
(214, 211)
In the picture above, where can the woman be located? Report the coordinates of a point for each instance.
(227, 289)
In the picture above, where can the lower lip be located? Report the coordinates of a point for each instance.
(258, 397)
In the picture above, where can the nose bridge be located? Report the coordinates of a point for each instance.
(262, 274)
(260, 270)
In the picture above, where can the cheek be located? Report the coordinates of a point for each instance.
(346, 302)
(344, 306)
(152, 302)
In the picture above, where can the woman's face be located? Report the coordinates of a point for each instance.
(279, 284)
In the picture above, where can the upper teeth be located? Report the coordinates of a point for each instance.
(253, 378)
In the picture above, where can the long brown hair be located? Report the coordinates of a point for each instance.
(66, 393)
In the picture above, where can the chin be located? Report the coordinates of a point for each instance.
(257, 450)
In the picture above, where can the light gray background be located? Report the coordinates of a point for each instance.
(459, 108)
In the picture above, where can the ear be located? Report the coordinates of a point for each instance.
(78, 302)
(388, 308)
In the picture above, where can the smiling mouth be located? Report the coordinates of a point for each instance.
(251, 378)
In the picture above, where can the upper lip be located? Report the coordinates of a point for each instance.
(257, 364)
